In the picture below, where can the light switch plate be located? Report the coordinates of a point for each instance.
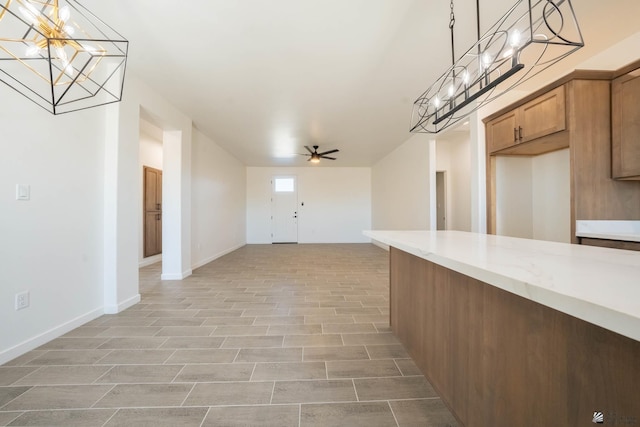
(23, 192)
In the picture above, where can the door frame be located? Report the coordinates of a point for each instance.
(296, 212)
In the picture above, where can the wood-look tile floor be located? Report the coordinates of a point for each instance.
(269, 335)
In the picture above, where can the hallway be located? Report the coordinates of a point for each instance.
(269, 335)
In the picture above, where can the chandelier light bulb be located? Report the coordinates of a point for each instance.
(515, 38)
(451, 91)
(62, 55)
(465, 77)
(69, 30)
(436, 102)
(64, 13)
(486, 60)
(30, 13)
(32, 50)
(89, 48)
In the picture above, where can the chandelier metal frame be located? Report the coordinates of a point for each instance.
(532, 36)
(60, 55)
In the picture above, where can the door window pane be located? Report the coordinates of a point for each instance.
(284, 185)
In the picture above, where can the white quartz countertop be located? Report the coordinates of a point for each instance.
(614, 230)
(598, 285)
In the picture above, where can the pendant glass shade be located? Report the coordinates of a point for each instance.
(60, 55)
(530, 37)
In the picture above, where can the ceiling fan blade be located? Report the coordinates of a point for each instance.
(308, 149)
(328, 152)
(304, 154)
(327, 157)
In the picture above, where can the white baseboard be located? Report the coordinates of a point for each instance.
(179, 276)
(38, 340)
(216, 256)
(114, 309)
(150, 261)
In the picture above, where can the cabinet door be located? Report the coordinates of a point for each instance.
(542, 116)
(502, 132)
(625, 147)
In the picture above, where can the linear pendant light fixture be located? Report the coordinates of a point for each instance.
(60, 55)
(530, 37)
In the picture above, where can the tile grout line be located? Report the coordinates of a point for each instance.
(103, 396)
(188, 394)
(393, 413)
(353, 382)
(273, 389)
(255, 365)
(205, 416)
(398, 366)
(111, 417)
(178, 373)
(101, 376)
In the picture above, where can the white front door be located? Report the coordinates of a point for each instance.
(284, 209)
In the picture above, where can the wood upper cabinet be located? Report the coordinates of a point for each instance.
(540, 117)
(502, 131)
(625, 144)
(577, 112)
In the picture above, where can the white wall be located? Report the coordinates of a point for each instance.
(401, 187)
(150, 155)
(453, 156)
(52, 245)
(551, 191)
(533, 196)
(514, 197)
(122, 199)
(218, 213)
(337, 203)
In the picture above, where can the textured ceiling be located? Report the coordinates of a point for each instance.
(264, 78)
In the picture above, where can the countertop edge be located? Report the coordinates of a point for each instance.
(624, 237)
(608, 318)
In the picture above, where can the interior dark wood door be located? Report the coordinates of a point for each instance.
(152, 211)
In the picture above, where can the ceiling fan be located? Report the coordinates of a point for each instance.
(314, 156)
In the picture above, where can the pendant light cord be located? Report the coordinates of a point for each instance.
(452, 23)
(478, 17)
(478, 25)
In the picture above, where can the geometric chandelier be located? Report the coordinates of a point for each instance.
(60, 55)
(530, 37)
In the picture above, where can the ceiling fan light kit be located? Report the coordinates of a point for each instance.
(314, 156)
(529, 38)
(60, 55)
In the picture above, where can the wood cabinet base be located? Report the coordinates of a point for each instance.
(498, 359)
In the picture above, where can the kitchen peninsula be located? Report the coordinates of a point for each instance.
(519, 332)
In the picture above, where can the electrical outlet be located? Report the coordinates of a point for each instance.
(22, 300)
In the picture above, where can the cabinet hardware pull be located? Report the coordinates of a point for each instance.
(158, 206)
(520, 132)
(515, 134)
